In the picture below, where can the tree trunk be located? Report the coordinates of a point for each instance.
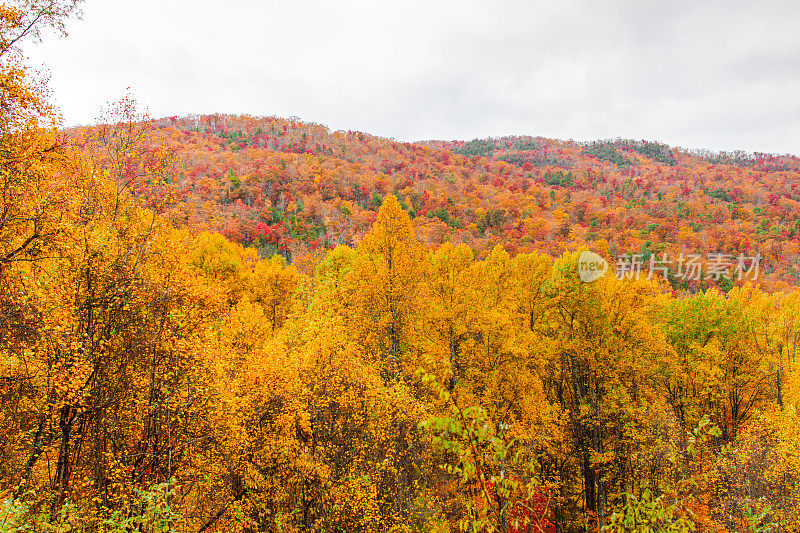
(66, 422)
(589, 483)
(36, 451)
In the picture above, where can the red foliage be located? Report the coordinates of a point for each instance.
(236, 174)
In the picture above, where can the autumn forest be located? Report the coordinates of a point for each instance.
(230, 323)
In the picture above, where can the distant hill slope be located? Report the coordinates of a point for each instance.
(286, 186)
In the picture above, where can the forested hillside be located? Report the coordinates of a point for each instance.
(231, 324)
(285, 186)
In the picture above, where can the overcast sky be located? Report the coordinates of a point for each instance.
(698, 74)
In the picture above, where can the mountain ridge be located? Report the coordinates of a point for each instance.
(290, 187)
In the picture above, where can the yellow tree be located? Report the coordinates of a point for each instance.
(95, 345)
(451, 321)
(226, 266)
(727, 357)
(604, 357)
(274, 287)
(34, 168)
(386, 284)
(361, 431)
(494, 406)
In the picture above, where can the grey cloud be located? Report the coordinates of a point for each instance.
(713, 74)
